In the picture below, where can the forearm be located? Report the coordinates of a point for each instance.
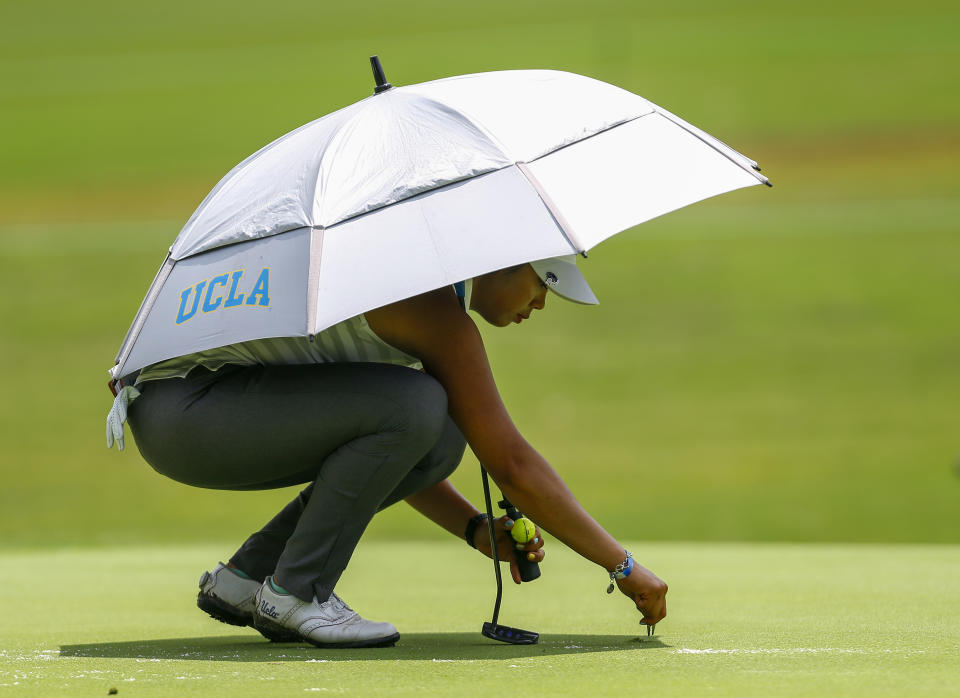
(539, 491)
(445, 506)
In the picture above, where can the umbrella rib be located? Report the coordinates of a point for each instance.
(565, 226)
(313, 279)
(141, 318)
(558, 216)
(716, 144)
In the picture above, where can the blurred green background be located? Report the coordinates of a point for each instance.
(771, 365)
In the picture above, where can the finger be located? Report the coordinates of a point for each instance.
(536, 556)
(534, 544)
(507, 523)
(515, 572)
(654, 614)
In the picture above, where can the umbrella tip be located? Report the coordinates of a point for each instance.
(378, 76)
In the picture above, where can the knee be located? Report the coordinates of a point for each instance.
(420, 408)
(445, 456)
(451, 446)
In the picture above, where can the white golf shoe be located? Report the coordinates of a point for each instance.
(328, 624)
(229, 598)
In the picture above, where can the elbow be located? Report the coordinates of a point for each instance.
(509, 474)
(514, 472)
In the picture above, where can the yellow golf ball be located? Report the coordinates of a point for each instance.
(523, 530)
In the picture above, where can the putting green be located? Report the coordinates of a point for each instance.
(745, 620)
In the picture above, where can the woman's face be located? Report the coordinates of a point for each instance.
(508, 295)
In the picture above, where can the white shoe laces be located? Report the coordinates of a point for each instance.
(338, 603)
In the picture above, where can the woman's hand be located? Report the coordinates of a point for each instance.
(506, 545)
(647, 591)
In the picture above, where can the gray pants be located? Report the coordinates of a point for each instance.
(364, 436)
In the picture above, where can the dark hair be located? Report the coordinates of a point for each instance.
(514, 268)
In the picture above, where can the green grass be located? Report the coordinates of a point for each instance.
(755, 371)
(745, 620)
(773, 365)
(97, 94)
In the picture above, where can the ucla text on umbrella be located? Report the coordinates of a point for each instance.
(259, 295)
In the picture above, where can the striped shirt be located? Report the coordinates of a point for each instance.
(352, 340)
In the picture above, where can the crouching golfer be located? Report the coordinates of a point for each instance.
(351, 415)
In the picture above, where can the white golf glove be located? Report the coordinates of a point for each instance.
(118, 415)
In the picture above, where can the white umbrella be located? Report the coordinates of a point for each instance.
(415, 188)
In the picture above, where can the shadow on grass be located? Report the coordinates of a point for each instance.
(412, 646)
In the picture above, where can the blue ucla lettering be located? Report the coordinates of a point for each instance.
(261, 288)
(208, 306)
(233, 299)
(182, 316)
(212, 301)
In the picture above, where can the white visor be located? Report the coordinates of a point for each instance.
(561, 276)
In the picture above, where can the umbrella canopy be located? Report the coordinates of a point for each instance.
(415, 188)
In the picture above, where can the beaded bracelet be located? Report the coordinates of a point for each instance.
(621, 571)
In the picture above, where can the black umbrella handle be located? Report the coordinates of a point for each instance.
(528, 570)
